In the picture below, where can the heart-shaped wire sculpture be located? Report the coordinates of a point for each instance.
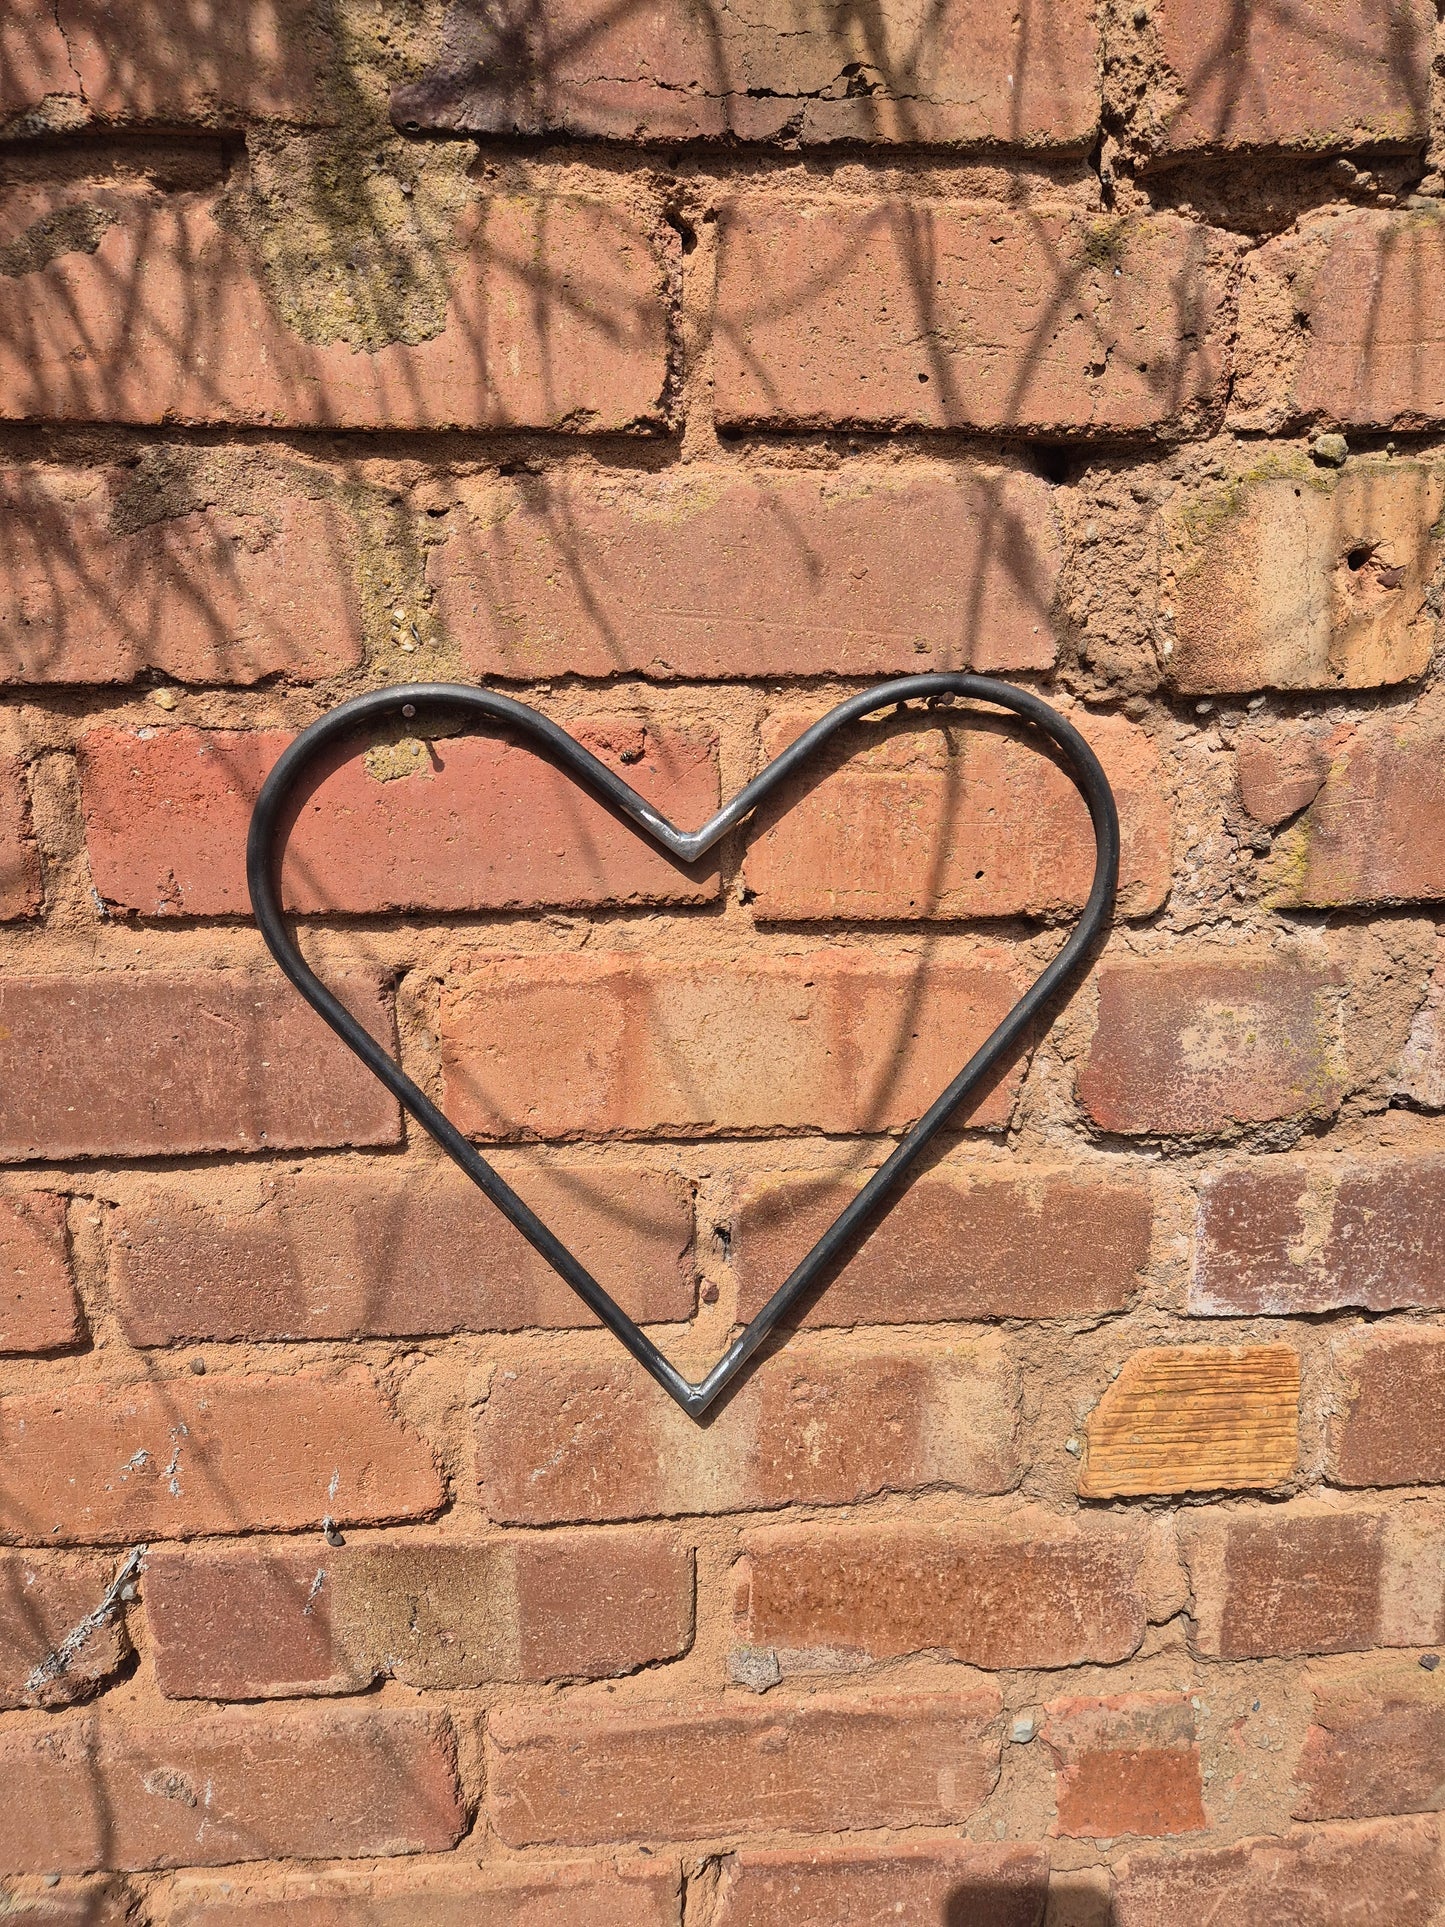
(263, 866)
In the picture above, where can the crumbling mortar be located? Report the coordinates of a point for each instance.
(120, 1590)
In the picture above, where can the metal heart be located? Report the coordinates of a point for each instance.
(882, 1189)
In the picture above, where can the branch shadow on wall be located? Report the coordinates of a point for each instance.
(1228, 95)
(805, 71)
(125, 273)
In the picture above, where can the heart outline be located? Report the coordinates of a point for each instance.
(263, 866)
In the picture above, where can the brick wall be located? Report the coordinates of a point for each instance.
(1080, 1559)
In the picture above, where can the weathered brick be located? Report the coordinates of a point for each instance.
(1299, 577)
(64, 62)
(959, 75)
(254, 1622)
(130, 1064)
(1026, 1589)
(263, 1621)
(1372, 831)
(686, 1772)
(567, 1894)
(322, 1254)
(555, 321)
(1280, 775)
(1285, 1236)
(1192, 1045)
(845, 1886)
(606, 1603)
(1420, 1073)
(1188, 1418)
(475, 823)
(1310, 1877)
(618, 1042)
(1387, 1424)
(988, 1243)
(33, 63)
(44, 1598)
(817, 1424)
(39, 1309)
(243, 583)
(1342, 321)
(941, 315)
(1350, 74)
(728, 572)
(227, 1454)
(900, 821)
(1311, 1577)
(20, 885)
(241, 1784)
(1126, 1764)
(1376, 1742)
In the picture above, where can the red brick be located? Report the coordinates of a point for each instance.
(944, 1880)
(568, 1894)
(262, 1621)
(606, 1603)
(236, 1785)
(1387, 1424)
(1311, 1877)
(1282, 1237)
(1025, 1589)
(815, 1424)
(988, 1243)
(838, 1040)
(39, 1310)
(1309, 1577)
(1281, 775)
(555, 321)
(1375, 1745)
(1294, 576)
(44, 1598)
(473, 824)
(729, 572)
(225, 1454)
(560, 1775)
(1372, 832)
(130, 1064)
(313, 1253)
(963, 75)
(74, 61)
(254, 1622)
(901, 821)
(1127, 1764)
(1192, 1045)
(952, 316)
(1342, 321)
(250, 581)
(1350, 74)
(20, 886)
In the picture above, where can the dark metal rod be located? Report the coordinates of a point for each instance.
(264, 850)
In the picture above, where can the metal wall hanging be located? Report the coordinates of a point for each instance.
(263, 864)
